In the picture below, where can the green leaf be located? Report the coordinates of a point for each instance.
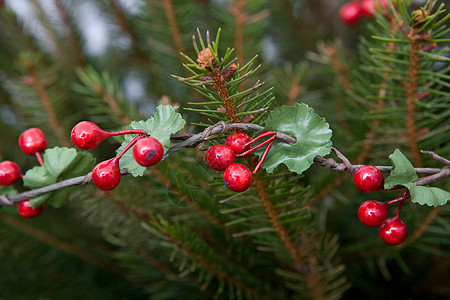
(431, 196)
(402, 173)
(165, 122)
(38, 201)
(311, 130)
(57, 159)
(38, 177)
(59, 163)
(7, 190)
(83, 163)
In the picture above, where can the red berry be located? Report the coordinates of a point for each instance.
(219, 157)
(368, 179)
(393, 231)
(372, 213)
(237, 140)
(106, 175)
(350, 13)
(32, 141)
(9, 172)
(237, 177)
(148, 152)
(87, 135)
(25, 210)
(369, 7)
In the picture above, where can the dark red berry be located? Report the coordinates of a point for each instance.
(32, 141)
(9, 172)
(237, 140)
(148, 152)
(106, 175)
(219, 157)
(25, 210)
(237, 177)
(350, 13)
(368, 179)
(87, 135)
(372, 213)
(393, 231)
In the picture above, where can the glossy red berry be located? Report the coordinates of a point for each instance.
(237, 177)
(32, 141)
(25, 210)
(87, 135)
(350, 13)
(106, 175)
(148, 152)
(237, 140)
(9, 172)
(372, 213)
(368, 179)
(219, 157)
(393, 231)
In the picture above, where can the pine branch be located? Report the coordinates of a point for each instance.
(411, 92)
(39, 86)
(175, 31)
(73, 35)
(381, 95)
(124, 23)
(61, 245)
(273, 216)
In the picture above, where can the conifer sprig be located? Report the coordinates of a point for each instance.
(219, 80)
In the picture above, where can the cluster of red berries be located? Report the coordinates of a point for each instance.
(236, 176)
(373, 213)
(32, 142)
(351, 12)
(147, 151)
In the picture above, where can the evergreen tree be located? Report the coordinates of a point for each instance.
(323, 95)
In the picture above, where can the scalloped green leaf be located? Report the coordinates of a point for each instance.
(402, 172)
(313, 135)
(59, 163)
(57, 159)
(38, 177)
(165, 122)
(431, 196)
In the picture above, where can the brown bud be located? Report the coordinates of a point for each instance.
(429, 47)
(418, 16)
(248, 119)
(230, 71)
(205, 57)
(205, 78)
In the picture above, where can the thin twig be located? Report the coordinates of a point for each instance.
(220, 128)
(436, 157)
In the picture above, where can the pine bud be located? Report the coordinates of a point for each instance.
(204, 59)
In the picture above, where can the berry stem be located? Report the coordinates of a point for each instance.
(264, 134)
(130, 144)
(129, 131)
(264, 155)
(39, 158)
(256, 147)
(399, 208)
(405, 196)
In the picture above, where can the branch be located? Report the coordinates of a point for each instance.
(192, 140)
